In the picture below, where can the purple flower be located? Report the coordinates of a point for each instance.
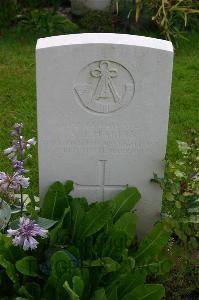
(18, 166)
(25, 235)
(4, 181)
(10, 150)
(14, 182)
(17, 128)
(19, 181)
(31, 141)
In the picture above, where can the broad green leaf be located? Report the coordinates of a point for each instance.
(68, 186)
(153, 243)
(129, 282)
(160, 267)
(57, 235)
(127, 223)
(10, 270)
(46, 223)
(27, 200)
(50, 288)
(124, 201)
(78, 206)
(27, 266)
(146, 292)
(113, 294)
(5, 214)
(94, 220)
(24, 293)
(99, 295)
(33, 289)
(61, 264)
(107, 263)
(78, 285)
(72, 294)
(55, 201)
(114, 244)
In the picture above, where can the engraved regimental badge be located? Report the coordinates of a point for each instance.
(104, 86)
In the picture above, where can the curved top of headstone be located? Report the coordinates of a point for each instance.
(104, 38)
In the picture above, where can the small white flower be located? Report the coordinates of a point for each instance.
(32, 141)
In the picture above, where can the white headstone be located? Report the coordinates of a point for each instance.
(103, 108)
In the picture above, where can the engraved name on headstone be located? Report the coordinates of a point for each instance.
(103, 108)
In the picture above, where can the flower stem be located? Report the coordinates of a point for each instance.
(21, 203)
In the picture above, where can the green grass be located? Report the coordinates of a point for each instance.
(18, 93)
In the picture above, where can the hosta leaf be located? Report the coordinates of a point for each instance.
(159, 267)
(68, 186)
(107, 263)
(99, 295)
(61, 264)
(55, 201)
(46, 223)
(114, 244)
(95, 219)
(127, 223)
(124, 202)
(57, 235)
(153, 243)
(146, 292)
(23, 292)
(5, 214)
(78, 206)
(33, 289)
(78, 286)
(27, 266)
(129, 282)
(113, 294)
(10, 270)
(72, 294)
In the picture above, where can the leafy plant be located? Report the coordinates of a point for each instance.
(92, 254)
(70, 249)
(45, 21)
(170, 16)
(8, 11)
(181, 187)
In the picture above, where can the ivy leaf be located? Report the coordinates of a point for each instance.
(153, 243)
(55, 201)
(146, 292)
(27, 266)
(124, 202)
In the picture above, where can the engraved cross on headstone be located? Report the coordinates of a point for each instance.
(101, 186)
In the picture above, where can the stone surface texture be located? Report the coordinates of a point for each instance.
(103, 109)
